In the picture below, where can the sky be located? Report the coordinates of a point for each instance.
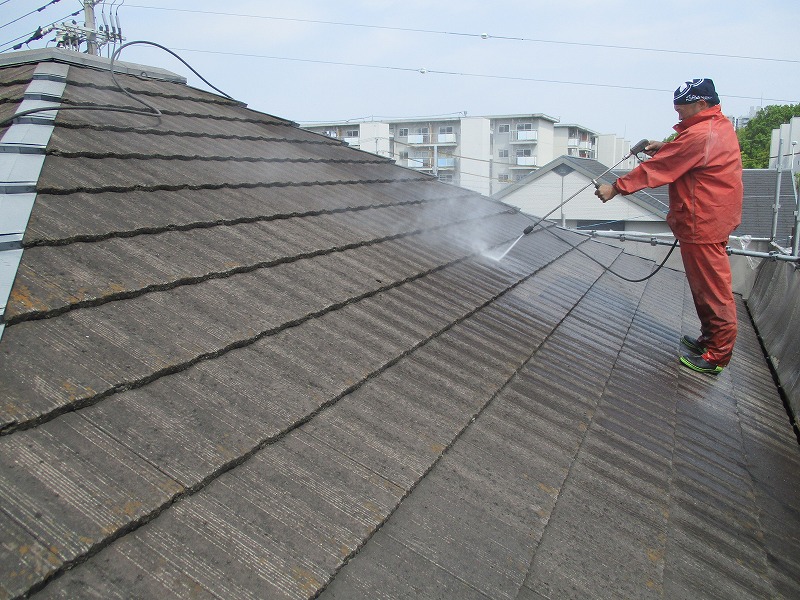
(610, 66)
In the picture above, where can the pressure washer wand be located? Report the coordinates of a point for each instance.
(636, 149)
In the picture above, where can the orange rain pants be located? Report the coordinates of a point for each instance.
(708, 271)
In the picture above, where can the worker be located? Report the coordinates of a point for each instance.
(703, 167)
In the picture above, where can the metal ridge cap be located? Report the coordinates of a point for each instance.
(87, 60)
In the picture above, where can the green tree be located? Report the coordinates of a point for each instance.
(755, 137)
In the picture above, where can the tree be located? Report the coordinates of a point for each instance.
(755, 137)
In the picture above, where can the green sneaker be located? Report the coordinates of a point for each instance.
(701, 365)
(693, 345)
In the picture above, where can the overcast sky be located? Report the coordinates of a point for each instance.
(607, 65)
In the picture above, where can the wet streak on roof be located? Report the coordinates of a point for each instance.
(245, 361)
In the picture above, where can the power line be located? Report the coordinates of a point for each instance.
(425, 71)
(32, 33)
(474, 35)
(40, 9)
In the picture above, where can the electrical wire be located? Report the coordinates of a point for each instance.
(30, 35)
(40, 9)
(465, 34)
(426, 71)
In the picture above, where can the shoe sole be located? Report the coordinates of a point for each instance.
(715, 371)
(692, 346)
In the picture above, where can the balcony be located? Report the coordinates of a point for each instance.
(419, 163)
(446, 163)
(526, 161)
(419, 138)
(524, 136)
(353, 141)
(446, 138)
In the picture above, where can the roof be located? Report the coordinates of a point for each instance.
(242, 360)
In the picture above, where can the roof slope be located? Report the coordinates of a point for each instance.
(242, 361)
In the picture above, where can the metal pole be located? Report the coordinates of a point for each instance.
(777, 206)
(657, 242)
(796, 240)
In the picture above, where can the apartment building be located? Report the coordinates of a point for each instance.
(484, 154)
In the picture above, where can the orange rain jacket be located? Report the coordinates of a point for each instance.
(703, 167)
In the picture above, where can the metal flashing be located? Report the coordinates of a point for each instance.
(52, 71)
(45, 89)
(22, 155)
(26, 138)
(39, 117)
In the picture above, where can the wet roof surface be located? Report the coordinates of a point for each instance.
(245, 361)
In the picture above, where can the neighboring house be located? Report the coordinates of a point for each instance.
(553, 184)
(242, 360)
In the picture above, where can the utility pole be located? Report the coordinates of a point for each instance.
(72, 35)
(90, 24)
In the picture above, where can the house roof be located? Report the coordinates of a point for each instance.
(242, 360)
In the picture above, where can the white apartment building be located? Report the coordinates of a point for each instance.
(483, 154)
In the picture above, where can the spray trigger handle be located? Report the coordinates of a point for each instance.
(639, 147)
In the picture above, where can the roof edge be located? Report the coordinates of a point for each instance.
(81, 59)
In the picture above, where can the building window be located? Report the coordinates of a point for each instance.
(524, 152)
(524, 126)
(503, 178)
(502, 153)
(446, 178)
(404, 155)
(503, 128)
(351, 133)
(331, 133)
(403, 132)
(445, 130)
(424, 131)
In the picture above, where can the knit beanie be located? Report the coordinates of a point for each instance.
(695, 90)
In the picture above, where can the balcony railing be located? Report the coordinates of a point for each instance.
(524, 136)
(446, 138)
(446, 163)
(526, 161)
(353, 141)
(419, 163)
(419, 138)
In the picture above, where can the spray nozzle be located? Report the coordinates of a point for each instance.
(527, 230)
